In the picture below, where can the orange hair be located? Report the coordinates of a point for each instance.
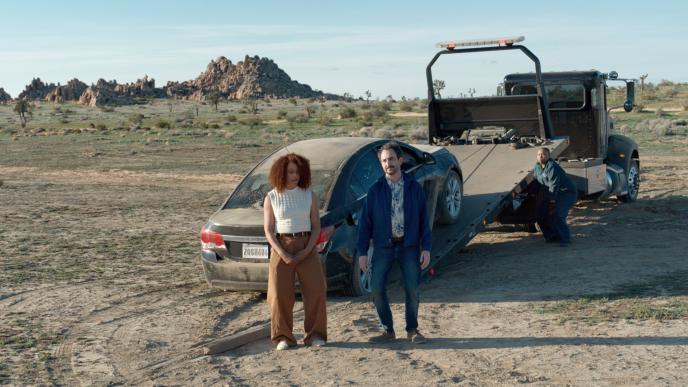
(278, 171)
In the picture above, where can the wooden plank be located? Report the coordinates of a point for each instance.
(238, 339)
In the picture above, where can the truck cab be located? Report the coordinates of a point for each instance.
(600, 162)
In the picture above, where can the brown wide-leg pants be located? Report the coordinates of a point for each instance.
(282, 293)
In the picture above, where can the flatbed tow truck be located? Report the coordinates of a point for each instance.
(497, 172)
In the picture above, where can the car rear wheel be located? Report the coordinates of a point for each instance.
(633, 183)
(450, 199)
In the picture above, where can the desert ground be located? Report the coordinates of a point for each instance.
(101, 282)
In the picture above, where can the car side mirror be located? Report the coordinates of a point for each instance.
(630, 96)
(428, 158)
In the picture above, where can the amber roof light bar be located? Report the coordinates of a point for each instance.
(506, 41)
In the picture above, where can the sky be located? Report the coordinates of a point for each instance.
(335, 46)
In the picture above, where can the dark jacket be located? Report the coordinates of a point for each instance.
(555, 179)
(376, 217)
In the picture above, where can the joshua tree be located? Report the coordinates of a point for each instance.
(21, 108)
(642, 82)
(368, 94)
(438, 85)
(214, 98)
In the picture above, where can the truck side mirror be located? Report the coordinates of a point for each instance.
(630, 96)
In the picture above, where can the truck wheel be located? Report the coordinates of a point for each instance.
(359, 282)
(450, 199)
(633, 183)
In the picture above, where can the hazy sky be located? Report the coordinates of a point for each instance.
(347, 46)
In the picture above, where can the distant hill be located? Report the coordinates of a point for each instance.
(4, 97)
(254, 77)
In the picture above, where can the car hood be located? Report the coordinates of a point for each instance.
(238, 221)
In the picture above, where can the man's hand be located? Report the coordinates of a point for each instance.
(552, 208)
(363, 263)
(424, 259)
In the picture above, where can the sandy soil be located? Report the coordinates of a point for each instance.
(101, 284)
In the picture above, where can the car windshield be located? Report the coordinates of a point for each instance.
(251, 192)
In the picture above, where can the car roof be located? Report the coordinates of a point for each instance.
(325, 153)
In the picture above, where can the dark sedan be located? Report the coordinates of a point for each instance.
(234, 248)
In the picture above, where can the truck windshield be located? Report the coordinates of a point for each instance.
(561, 96)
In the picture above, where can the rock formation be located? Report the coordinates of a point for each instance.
(112, 93)
(255, 77)
(36, 90)
(4, 97)
(69, 92)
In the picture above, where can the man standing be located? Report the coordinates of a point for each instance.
(395, 217)
(557, 196)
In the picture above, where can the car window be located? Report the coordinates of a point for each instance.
(253, 189)
(366, 172)
(409, 159)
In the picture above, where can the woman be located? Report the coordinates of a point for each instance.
(292, 226)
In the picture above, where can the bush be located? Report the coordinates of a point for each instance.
(347, 112)
(251, 121)
(406, 106)
(231, 118)
(282, 114)
(324, 119)
(101, 126)
(365, 119)
(383, 133)
(163, 124)
(136, 118)
(297, 118)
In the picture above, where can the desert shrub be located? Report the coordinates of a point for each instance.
(659, 112)
(661, 126)
(214, 126)
(684, 105)
(365, 131)
(418, 134)
(347, 112)
(324, 119)
(251, 121)
(365, 119)
(379, 112)
(101, 126)
(106, 109)
(282, 114)
(639, 108)
(383, 133)
(406, 106)
(293, 101)
(366, 106)
(297, 118)
(231, 118)
(163, 124)
(136, 118)
(384, 105)
(681, 122)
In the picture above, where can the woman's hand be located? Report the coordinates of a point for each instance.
(287, 258)
(303, 254)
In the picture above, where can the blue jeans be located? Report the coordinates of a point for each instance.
(553, 225)
(408, 260)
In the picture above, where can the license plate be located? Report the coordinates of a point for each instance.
(254, 251)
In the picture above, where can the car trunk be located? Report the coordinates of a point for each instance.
(242, 231)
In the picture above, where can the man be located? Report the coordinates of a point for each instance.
(395, 217)
(557, 196)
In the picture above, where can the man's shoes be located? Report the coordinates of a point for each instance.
(317, 342)
(384, 337)
(416, 337)
(282, 345)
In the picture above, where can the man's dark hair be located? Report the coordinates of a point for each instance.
(544, 148)
(392, 145)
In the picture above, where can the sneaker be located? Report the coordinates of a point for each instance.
(416, 337)
(317, 342)
(384, 337)
(282, 345)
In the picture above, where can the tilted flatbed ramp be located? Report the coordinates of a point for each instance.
(491, 172)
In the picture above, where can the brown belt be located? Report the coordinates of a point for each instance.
(294, 234)
(398, 239)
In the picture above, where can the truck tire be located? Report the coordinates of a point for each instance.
(359, 282)
(633, 183)
(450, 199)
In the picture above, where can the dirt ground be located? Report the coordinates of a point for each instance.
(101, 284)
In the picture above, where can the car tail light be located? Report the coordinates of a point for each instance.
(324, 238)
(211, 239)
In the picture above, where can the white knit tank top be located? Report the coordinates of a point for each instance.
(292, 209)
